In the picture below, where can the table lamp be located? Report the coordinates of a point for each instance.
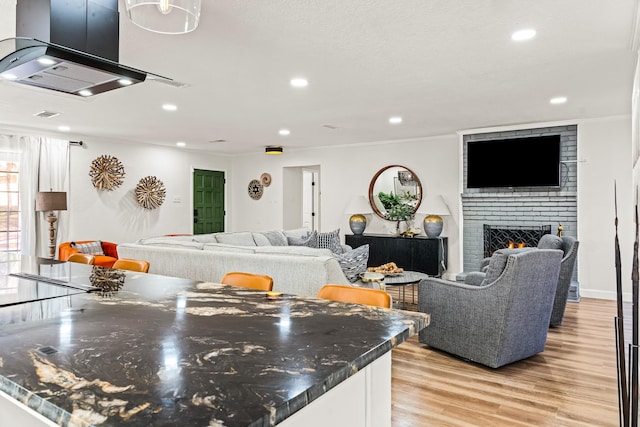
(357, 208)
(49, 201)
(435, 207)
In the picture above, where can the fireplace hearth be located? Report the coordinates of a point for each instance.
(500, 237)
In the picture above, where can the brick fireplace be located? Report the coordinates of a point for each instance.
(499, 237)
(521, 208)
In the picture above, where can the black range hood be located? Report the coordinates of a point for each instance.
(68, 46)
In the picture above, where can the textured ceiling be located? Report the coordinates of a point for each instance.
(443, 65)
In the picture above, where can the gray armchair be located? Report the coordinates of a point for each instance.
(569, 247)
(502, 321)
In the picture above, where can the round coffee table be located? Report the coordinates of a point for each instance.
(405, 279)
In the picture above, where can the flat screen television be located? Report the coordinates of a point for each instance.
(514, 162)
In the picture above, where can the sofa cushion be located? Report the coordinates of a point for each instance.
(293, 250)
(276, 238)
(221, 247)
(91, 248)
(309, 241)
(354, 262)
(330, 241)
(171, 243)
(205, 238)
(240, 238)
(185, 238)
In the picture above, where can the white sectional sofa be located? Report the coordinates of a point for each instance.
(297, 270)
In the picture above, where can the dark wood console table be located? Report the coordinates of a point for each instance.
(423, 254)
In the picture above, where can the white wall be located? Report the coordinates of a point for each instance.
(344, 172)
(604, 152)
(604, 155)
(115, 215)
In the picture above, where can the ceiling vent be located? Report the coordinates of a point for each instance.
(46, 114)
(67, 46)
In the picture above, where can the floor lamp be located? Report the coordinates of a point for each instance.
(49, 201)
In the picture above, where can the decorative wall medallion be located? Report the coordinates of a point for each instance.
(106, 172)
(150, 192)
(255, 189)
(265, 179)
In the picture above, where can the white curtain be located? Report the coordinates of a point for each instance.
(44, 165)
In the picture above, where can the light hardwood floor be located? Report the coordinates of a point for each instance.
(572, 383)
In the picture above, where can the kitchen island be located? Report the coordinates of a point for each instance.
(137, 349)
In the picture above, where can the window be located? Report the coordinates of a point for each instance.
(9, 205)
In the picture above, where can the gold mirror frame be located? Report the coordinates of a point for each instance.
(381, 178)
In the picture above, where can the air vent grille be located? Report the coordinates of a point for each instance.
(47, 350)
(46, 114)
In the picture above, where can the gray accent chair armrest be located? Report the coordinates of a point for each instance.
(498, 323)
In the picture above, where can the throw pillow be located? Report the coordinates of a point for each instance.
(239, 238)
(550, 241)
(276, 238)
(91, 248)
(330, 241)
(498, 262)
(297, 232)
(310, 241)
(354, 262)
(260, 239)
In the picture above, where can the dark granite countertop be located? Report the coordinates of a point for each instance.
(151, 350)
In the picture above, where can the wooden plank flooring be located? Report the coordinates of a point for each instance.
(572, 383)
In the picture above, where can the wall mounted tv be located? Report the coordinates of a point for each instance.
(514, 162)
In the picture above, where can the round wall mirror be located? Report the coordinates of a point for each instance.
(395, 193)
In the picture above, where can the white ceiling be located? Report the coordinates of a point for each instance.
(443, 65)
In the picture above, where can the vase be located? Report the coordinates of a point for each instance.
(433, 225)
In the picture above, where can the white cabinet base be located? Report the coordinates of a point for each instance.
(363, 400)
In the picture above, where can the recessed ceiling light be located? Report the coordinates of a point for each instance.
(125, 82)
(558, 100)
(8, 76)
(169, 107)
(299, 82)
(284, 132)
(395, 120)
(85, 92)
(64, 128)
(181, 144)
(522, 35)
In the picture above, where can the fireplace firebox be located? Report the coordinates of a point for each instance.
(500, 237)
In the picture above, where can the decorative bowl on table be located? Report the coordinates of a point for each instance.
(369, 276)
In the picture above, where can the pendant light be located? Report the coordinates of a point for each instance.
(165, 16)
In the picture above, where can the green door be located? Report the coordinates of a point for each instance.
(208, 201)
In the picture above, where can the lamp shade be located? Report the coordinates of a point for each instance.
(51, 201)
(358, 205)
(165, 16)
